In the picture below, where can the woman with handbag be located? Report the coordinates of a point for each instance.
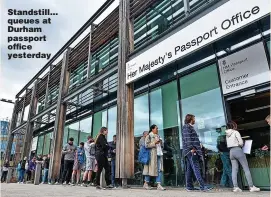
(235, 144)
(155, 164)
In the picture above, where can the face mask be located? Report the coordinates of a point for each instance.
(70, 143)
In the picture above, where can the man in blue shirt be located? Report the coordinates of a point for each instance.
(193, 154)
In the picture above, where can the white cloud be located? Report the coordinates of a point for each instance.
(14, 74)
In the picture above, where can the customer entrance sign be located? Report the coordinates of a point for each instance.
(222, 21)
(244, 69)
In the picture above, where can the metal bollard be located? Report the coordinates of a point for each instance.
(37, 174)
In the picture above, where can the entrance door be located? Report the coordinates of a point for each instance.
(250, 113)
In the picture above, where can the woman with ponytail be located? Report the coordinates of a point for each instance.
(101, 152)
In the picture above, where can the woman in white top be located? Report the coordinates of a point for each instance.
(235, 144)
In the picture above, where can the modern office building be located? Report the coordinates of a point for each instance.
(4, 126)
(152, 62)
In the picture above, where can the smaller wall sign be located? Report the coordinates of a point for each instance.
(244, 69)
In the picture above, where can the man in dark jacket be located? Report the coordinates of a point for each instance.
(112, 157)
(46, 163)
(193, 154)
(22, 170)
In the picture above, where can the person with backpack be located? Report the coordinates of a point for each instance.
(226, 179)
(89, 149)
(101, 153)
(235, 144)
(155, 165)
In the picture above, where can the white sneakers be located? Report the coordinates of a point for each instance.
(237, 189)
(252, 189)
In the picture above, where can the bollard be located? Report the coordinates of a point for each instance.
(102, 179)
(37, 174)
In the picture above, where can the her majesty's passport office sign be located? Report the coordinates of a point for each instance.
(222, 21)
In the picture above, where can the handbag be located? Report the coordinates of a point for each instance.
(144, 155)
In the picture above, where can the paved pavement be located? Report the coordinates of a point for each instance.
(29, 190)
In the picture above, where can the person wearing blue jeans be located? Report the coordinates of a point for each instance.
(154, 168)
(192, 151)
(112, 157)
(22, 170)
(46, 163)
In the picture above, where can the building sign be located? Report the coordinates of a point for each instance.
(222, 21)
(244, 69)
(34, 143)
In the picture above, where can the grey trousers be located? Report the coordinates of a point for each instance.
(237, 154)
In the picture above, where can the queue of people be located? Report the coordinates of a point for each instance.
(94, 155)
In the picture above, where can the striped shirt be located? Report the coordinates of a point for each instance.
(190, 140)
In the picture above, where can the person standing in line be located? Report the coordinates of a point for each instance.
(5, 171)
(22, 170)
(155, 166)
(192, 152)
(46, 163)
(235, 144)
(28, 172)
(226, 179)
(69, 152)
(79, 163)
(32, 168)
(89, 149)
(101, 154)
(112, 157)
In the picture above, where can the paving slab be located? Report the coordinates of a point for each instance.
(30, 190)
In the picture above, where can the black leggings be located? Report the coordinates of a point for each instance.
(67, 173)
(102, 164)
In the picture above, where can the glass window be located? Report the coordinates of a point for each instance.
(65, 135)
(201, 96)
(85, 128)
(164, 113)
(100, 120)
(40, 145)
(112, 123)
(47, 143)
(74, 132)
(141, 115)
(26, 111)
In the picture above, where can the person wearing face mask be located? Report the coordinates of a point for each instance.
(69, 152)
(155, 166)
(192, 151)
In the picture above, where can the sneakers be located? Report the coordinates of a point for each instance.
(236, 189)
(99, 187)
(84, 185)
(254, 189)
(146, 186)
(42, 183)
(65, 183)
(159, 187)
(109, 186)
(72, 184)
(206, 189)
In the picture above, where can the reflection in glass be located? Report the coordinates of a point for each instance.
(164, 113)
(201, 96)
(85, 128)
(112, 123)
(47, 143)
(40, 145)
(65, 136)
(74, 132)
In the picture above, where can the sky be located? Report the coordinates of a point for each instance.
(14, 74)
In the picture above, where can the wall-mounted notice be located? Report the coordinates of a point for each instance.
(220, 22)
(244, 69)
